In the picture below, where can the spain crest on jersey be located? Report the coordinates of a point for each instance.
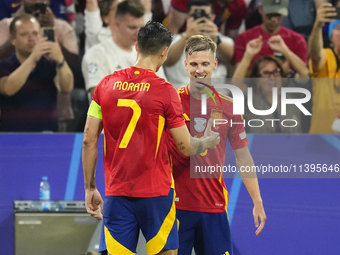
(200, 124)
(216, 114)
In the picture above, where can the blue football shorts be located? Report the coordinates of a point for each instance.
(124, 217)
(207, 233)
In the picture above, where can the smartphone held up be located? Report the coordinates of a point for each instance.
(49, 33)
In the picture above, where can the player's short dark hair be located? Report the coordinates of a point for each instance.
(25, 16)
(152, 38)
(132, 7)
(199, 3)
(198, 43)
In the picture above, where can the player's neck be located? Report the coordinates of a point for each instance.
(150, 62)
(194, 92)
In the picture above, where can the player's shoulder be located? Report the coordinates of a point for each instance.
(161, 81)
(182, 92)
(119, 74)
(226, 99)
(227, 102)
(115, 76)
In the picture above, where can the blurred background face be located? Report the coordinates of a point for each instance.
(271, 21)
(270, 71)
(200, 66)
(26, 37)
(336, 37)
(128, 27)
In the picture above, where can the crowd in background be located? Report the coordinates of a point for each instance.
(53, 53)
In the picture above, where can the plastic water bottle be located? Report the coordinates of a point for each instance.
(45, 194)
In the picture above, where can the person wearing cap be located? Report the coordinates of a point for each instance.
(324, 63)
(272, 12)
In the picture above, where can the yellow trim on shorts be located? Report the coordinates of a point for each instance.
(157, 243)
(95, 110)
(172, 170)
(113, 246)
(225, 193)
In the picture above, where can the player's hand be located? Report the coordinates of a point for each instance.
(213, 137)
(325, 13)
(94, 203)
(276, 43)
(254, 46)
(259, 217)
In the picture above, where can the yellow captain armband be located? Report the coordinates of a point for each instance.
(95, 110)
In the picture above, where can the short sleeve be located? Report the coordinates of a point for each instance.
(325, 71)
(237, 134)
(94, 67)
(173, 109)
(180, 5)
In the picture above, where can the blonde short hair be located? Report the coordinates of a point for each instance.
(197, 43)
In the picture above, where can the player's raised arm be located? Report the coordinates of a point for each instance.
(190, 146)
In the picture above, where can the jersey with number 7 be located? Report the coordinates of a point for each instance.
(136, 106)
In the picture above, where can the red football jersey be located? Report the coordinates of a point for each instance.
(295, 42)
(205, 194)
(137, 106)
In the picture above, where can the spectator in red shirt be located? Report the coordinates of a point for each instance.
(229, 11)
(272, 12)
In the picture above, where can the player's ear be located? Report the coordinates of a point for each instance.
(136, 46)
(216, 64)
(164, 52)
